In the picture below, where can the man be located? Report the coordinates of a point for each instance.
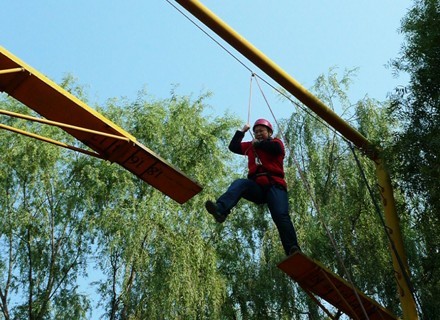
(265, 182)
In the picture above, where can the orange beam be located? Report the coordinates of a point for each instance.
(314, 277)
(111, 142)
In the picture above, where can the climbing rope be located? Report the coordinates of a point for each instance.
(250, 99)
(208, 35)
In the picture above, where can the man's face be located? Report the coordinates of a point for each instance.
(261, 132)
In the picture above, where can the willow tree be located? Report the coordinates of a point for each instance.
(64, 214)
(416, 147)
(158, 257)
(44, 228)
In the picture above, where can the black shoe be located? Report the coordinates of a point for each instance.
(294, 250)
(212, 209)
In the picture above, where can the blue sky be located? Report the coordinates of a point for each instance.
(115, 49)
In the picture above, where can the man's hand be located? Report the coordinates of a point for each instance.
(255, 141)
(246, 127)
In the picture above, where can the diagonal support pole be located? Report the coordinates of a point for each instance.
(54, 142)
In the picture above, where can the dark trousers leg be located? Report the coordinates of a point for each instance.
(278, 204)
(241, 188)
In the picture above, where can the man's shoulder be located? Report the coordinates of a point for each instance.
(277, 140)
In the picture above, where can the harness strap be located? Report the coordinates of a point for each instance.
(269, 175)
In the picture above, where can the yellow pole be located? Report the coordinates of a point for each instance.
(62, 125)
(254, 55)
(13, 70)
(392, 222)
(48, 140)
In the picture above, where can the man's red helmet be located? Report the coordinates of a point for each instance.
(262, 122)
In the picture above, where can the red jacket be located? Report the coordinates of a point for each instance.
(270, 152)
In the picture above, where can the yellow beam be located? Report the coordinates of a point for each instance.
(48, 98)
(274, 71)
(111, 142)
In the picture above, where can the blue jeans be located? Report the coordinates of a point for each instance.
(277, 202)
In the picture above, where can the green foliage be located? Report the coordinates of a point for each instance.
(43, 229)
(63, 213)
(416, 149)
(156, 255)
(418, 105)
